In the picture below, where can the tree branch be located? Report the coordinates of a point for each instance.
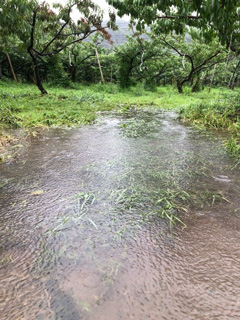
(210, 58)
(32, 30)
(90, 55)
(61, 29)
(178, 17)
(66, 45)
(181, 54)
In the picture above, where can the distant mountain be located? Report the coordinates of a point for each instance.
(120, 36)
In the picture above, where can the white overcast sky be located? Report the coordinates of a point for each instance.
(102, 4)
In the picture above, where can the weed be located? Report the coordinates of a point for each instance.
(233, 146)
(221, 113)
(8, 118)
(133, 128)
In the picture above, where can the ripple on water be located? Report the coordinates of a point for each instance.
(76, 242)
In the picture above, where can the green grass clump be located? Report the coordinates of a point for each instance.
(221, 113)
(23, 106)
(233, 147)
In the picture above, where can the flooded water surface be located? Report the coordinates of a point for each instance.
(135, 217)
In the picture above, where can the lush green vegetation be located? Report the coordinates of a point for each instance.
(23, 107)
(212, 17)
(187, 60)
(221, 113)
(45, 46)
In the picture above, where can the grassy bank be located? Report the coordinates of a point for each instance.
(221, 113)
(22, 106)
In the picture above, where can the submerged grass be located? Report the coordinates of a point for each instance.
(144, 188)
(23, 107)
(119, 196)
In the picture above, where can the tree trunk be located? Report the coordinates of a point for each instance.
(196, 87)
(10, 63)
(73, 72)
(38, 79)
(233, 78)
(179, 86)
(212, 78)
(202, 81)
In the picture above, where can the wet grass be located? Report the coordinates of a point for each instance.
(159, 183)
(134, 128)
(22, 106)
(222, 113)
(143, 190)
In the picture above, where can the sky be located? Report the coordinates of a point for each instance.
(102, 4)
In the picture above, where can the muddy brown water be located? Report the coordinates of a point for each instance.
(81, 232)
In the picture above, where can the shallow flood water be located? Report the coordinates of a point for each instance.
(81, 230)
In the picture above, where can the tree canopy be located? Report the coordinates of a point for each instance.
(43, 32)
(212, 17)
(42, 44)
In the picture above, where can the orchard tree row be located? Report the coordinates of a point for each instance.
(188, 42)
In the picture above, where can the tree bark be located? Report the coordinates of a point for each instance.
(73, 72)
(212, 78)
(36, 71)
(11, 66)
(31, 53)
(233, 78)
(179, 86)
(196, 86)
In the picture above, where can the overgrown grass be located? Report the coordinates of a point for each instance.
(221, 113)
(22, 106)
